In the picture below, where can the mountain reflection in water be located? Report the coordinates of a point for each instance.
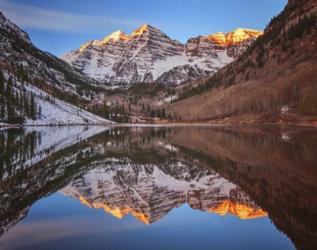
(249, 172)
(150, 191)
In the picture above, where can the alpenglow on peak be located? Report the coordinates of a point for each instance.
(149, 55)
(235, 37)
(116, 36)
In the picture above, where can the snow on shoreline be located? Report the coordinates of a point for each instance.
(58, 112)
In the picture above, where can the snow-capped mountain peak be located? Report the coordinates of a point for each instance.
(141, 30)
(116, 36)
(148, 55)
(235, 37)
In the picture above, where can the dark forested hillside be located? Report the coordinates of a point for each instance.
(18, 54)
(31, 78)
(276, 77)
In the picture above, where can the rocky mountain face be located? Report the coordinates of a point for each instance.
(149, 55)
(149, 191)
(234, 43)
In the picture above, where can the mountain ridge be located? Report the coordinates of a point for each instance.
(148, 55)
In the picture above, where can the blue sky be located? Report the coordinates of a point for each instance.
(62, 25)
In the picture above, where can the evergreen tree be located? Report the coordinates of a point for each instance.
(2, 109)
(11, 114)
(163, 114)
(1, 82)
(39, 112)
(148, 109)
(9, 89)
(32, 107)
(26, 104)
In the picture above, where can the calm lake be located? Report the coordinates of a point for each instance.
(158, 188)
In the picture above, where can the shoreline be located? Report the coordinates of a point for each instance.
(172, 124)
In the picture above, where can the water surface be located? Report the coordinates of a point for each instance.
(158, 188)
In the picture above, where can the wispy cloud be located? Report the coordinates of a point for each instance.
(28, 16)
